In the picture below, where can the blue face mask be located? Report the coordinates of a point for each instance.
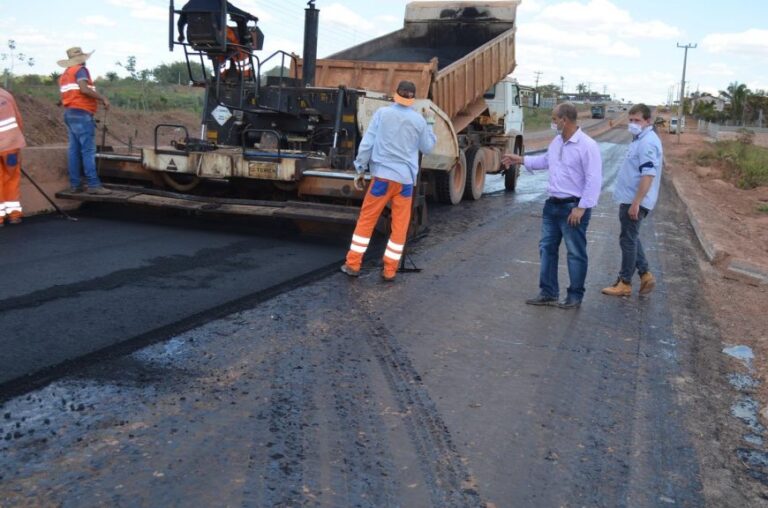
(634, 129)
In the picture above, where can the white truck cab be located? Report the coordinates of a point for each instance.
(503, 101)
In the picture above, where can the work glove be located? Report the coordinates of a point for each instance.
(181, 38)
(360, 181)
(429, 116)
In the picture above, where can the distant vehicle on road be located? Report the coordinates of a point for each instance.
(611, 109)
(674, 125)
(598, 111)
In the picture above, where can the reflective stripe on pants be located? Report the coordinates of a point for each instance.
(379, 193)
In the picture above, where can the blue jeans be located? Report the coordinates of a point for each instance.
(632, 254)
(555, 228)
(82, 147)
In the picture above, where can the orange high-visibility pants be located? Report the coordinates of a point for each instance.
(10, 178)
(381, 192)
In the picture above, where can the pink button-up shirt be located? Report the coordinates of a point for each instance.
(575, 168)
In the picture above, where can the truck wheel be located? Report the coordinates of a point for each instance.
(511, 174)
(180, 182)
(475, 174)
(449, 185)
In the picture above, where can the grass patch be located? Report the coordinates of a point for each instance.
(537, 119)
(138, 96)
(743, 164)
(763, 208)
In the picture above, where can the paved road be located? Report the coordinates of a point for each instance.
(443, 389)
(74, 288)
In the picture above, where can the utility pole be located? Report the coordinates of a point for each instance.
(562, 85)
(681, 108)
(538, 73)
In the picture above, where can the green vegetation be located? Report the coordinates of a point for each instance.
(762, 208)
(160, 89)
(743, 163)
(537, 119)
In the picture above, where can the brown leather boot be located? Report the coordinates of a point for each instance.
(647, 283)
(620, 288)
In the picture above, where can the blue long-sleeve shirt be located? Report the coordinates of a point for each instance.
(390, 146)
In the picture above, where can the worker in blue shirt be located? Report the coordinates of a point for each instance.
(636, 191)
(390, 151)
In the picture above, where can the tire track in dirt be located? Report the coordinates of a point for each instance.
(449, 482)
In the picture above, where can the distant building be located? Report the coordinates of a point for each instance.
(705, 98)
(584, 98)
(527, 94)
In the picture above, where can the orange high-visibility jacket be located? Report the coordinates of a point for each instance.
(239, 57)
(11, 137)
(71, 96)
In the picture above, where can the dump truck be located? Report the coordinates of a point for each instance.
(598, 111)
(284, 146)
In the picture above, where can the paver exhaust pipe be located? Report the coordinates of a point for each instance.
(311, 21)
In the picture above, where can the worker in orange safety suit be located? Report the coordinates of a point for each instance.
(390, 150)
(239, 58)
(11, 143)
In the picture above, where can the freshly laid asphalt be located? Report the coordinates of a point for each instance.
(76, 288)
(442, 389)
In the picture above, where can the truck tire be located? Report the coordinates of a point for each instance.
(475, 174)
(511, 174)
(449, 185)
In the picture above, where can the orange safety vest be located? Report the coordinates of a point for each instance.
(240, 58)
(11, 137)
(71, 96)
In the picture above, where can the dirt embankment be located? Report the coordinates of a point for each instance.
(44, 122)
(733, 232)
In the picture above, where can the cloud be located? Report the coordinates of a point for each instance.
(717, 69)
(97, 21)
(530, 6)
(621, 49)
(563, 40)
(338, 14)
(142, 10)
(751, 42)
(602, 16)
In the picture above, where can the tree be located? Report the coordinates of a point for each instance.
(738, 93)
(130, 67)
(11, 58)
(55, 75)
(581, 88)
(176, 73)
(112, 76)
(550, 90)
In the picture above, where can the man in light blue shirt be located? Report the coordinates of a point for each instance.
(390, 149)
(636, 191)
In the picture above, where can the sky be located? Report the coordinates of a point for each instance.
(624, 48)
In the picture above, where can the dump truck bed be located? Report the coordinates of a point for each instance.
(452, 51)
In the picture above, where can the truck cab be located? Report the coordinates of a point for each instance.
(675, 124)
(503, 101)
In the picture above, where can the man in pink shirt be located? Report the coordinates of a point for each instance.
(575, 179)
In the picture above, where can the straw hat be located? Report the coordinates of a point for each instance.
(75, 56)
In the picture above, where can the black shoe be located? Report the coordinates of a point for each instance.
(542, 300)
(569, 303)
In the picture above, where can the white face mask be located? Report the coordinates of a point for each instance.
(634, 129)
(554, 127)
